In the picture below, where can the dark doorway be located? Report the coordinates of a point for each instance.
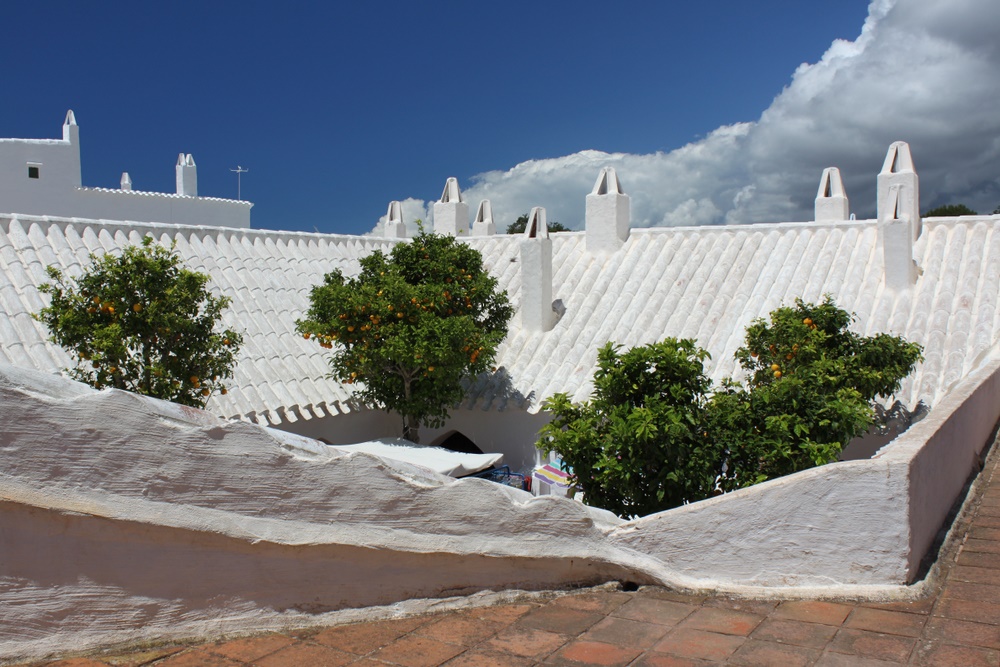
(457, 442)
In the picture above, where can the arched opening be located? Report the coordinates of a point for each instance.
(457, 441)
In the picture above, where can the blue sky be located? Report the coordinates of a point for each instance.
(338, 108)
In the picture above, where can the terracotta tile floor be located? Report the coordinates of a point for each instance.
(957, 624)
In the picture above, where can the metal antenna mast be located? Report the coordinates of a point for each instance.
(239, 171)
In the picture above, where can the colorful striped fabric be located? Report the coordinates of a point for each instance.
(552, 475)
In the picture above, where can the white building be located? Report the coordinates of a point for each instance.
(42, 177)
(260, 528)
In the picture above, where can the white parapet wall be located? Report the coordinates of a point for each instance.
(127, 519)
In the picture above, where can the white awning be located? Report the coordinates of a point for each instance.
(438, 459)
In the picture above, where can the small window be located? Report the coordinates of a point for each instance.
(32, 171)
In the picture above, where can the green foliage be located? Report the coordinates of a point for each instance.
(949, 211)
(519, 225)
(810, 390)
(411, 326)
(638, 446)
(653, 436)
(142, 322)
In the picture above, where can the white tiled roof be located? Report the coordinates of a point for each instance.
(705, 283)
(165, 195)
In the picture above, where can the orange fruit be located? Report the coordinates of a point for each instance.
(808, 321)
(775, 367)
(777, 374)
(137, 307)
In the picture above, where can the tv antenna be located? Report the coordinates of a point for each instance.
(239, 171)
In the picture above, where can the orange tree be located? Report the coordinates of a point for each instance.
(638, 446)
(411, 326)
(809, 391)
(142, 322)
(654, 434)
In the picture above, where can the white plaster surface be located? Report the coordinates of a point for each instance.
(127, 518)
(608, 214)
(59, 190)
(898, 171)
(831, 198)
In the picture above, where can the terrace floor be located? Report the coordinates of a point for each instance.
(957, 624)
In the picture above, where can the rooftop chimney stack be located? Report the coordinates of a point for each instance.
(483, 224)
(187, 176)
(608, 214)
(394, 226)
(71, 134)
(126, 182)
(451, 213)
(536, 274)
(898, 170)
(896, 237)
(831, 200)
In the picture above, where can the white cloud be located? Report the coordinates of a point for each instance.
(922, 71)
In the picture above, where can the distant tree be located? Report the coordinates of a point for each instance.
(949, 211)
(411, 326)
(519, 225)
(996, 211)
(142, 322)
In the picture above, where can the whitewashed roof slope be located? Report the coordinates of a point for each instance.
(705, 283)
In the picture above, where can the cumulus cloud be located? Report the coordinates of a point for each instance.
(921, 71)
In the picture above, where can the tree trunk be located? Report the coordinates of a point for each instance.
(410, 423)
(411, 428)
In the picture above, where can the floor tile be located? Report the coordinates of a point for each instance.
(667, 660)
(761, 607)
(560, 619)
(869, 644)
(603, 602)
(461, 629)
(198, 658)
(581, 652)
(963, 632)
(968, 610)
(889, 622)
(526, 642)
(250, 648)
(503, 614)
(690, 643)
(363, 638)
(626, 632)
(813, 611)
(414, 651)
(654, 610)
(797, 633)
(484, 658)
(966, 590)
(765, 654)
(949, 655)
(725, 621)
(306, 653)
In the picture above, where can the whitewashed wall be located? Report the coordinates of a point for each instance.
(126, 518)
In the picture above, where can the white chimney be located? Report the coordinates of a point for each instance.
(536, 274)
(896, 237)
(608, 213)
(187, 176)
(483, 224)
(898, 170)
(451, 213)
(831, 199)
(394, 226)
